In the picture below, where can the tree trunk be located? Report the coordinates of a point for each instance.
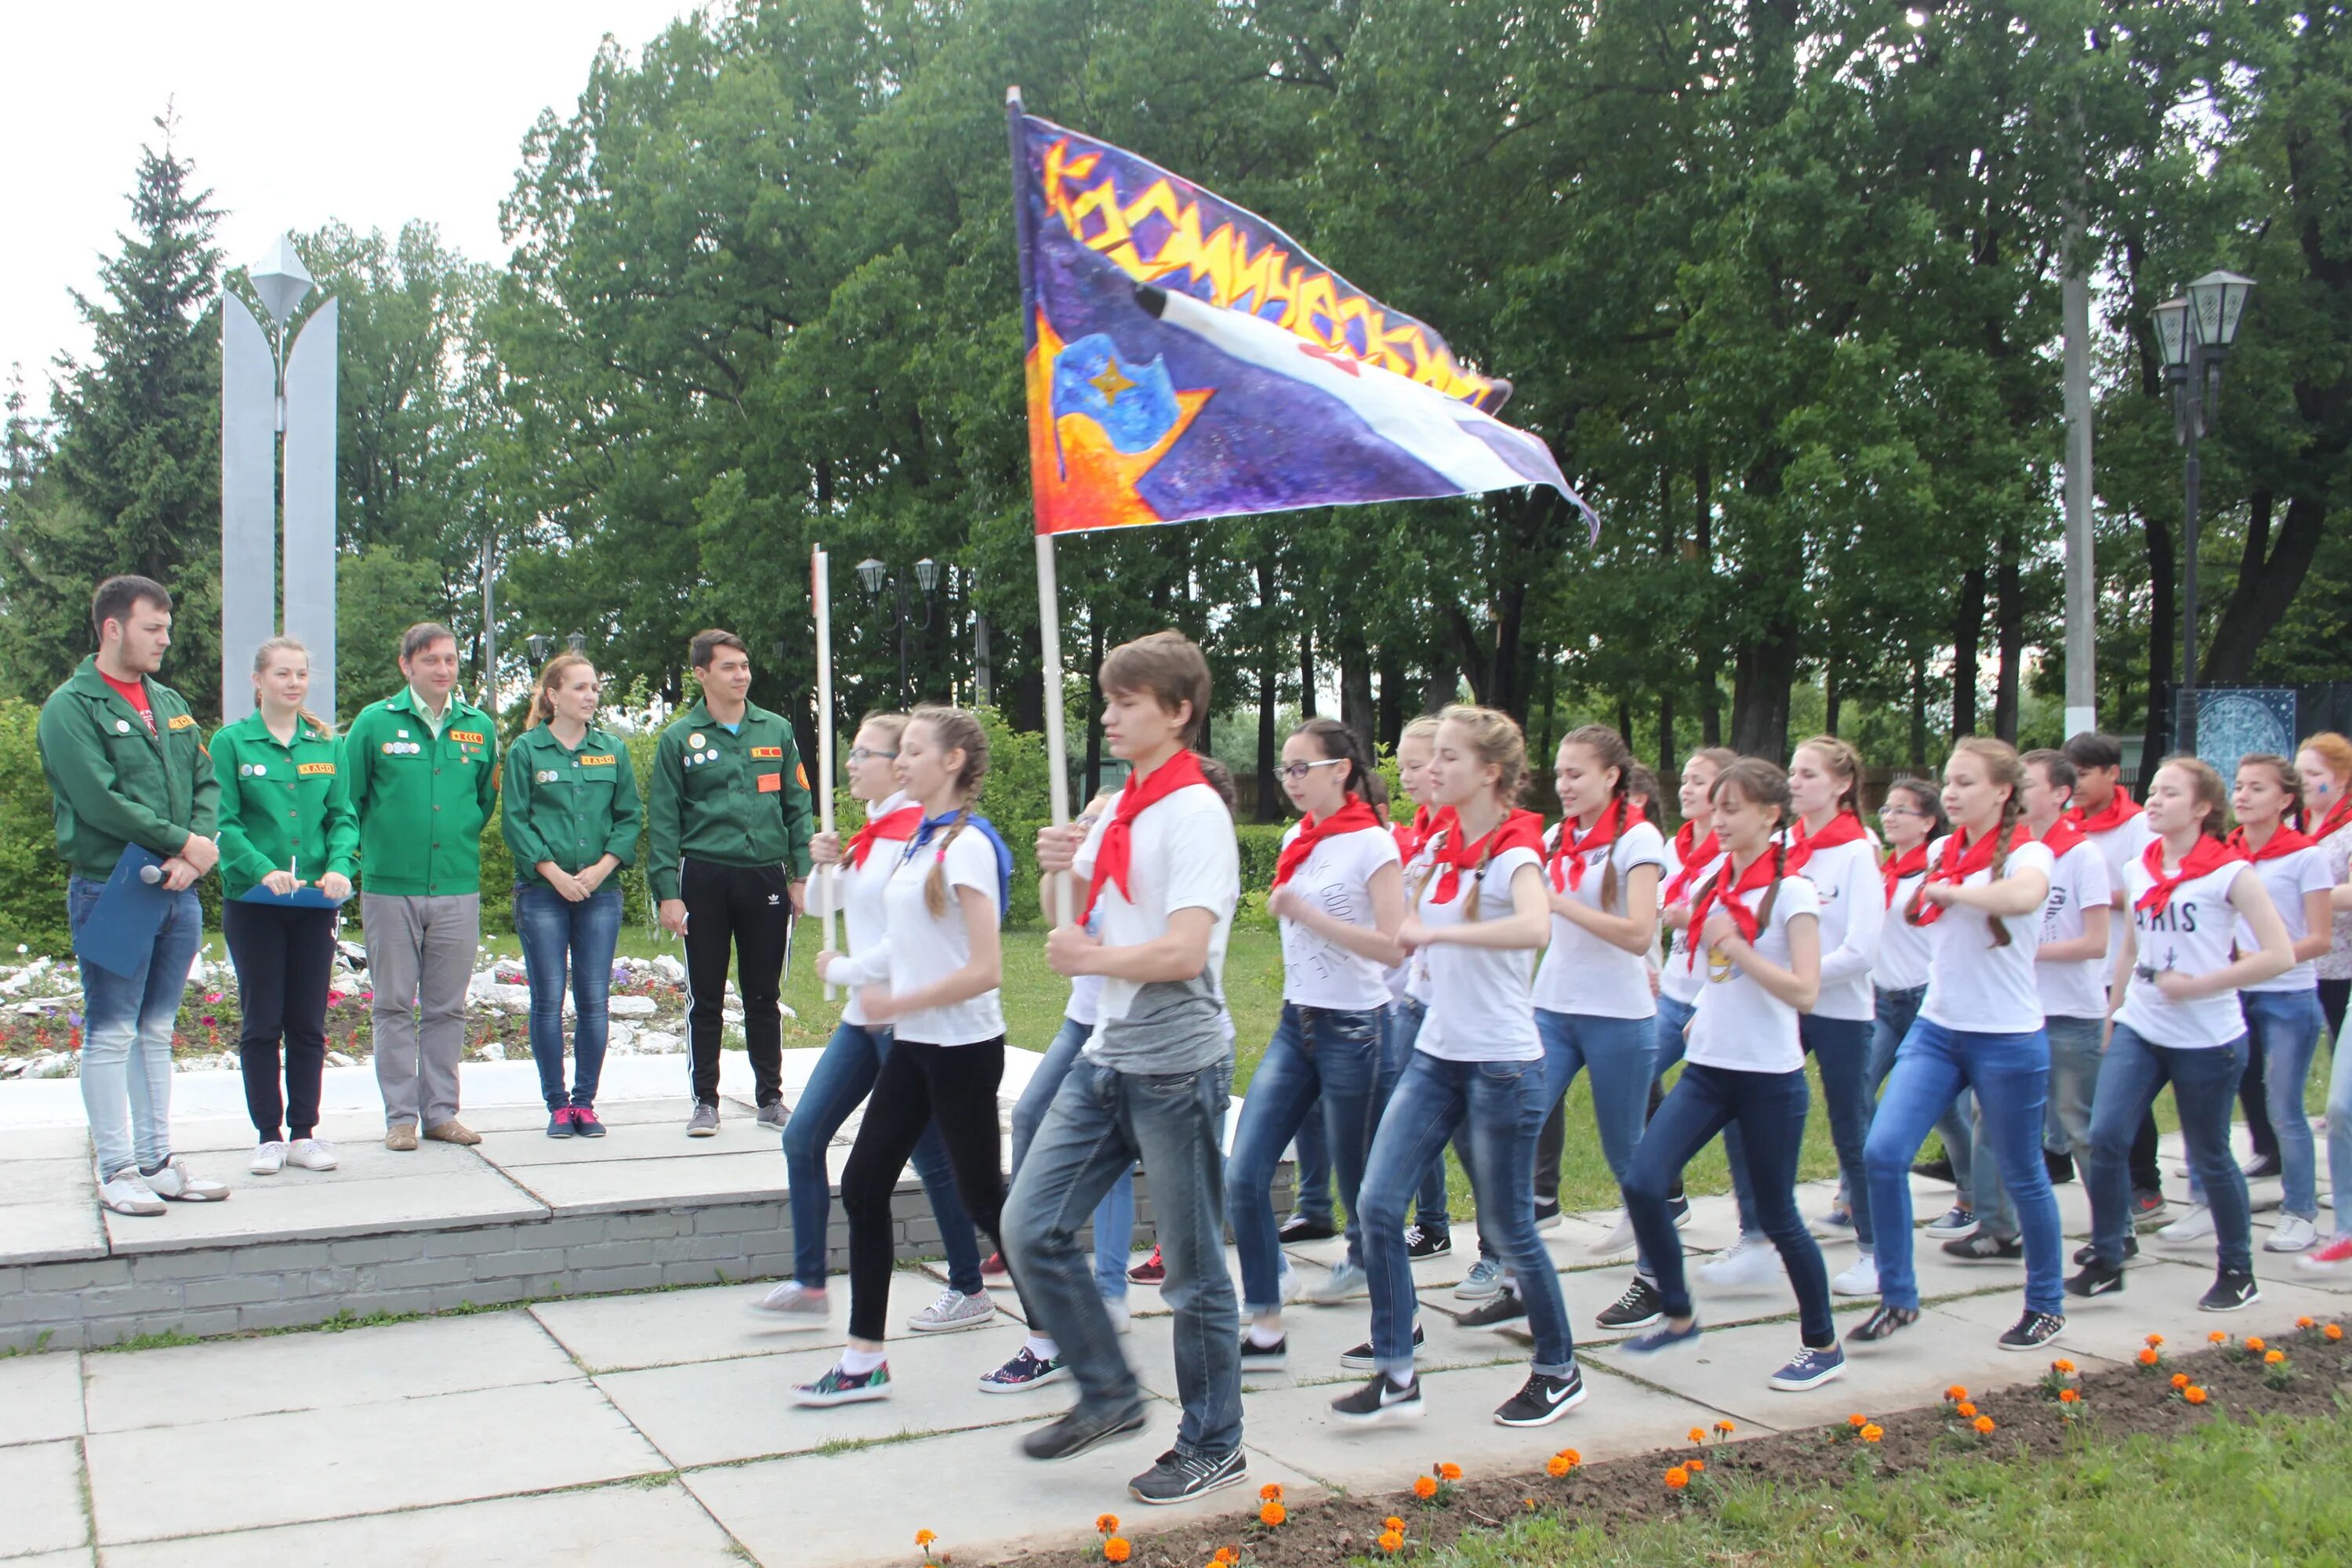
(1761, 675)
(2009, 627)
(1306, 672)
(1918, 711)
(1967, 631)
(1507, 690)
(1389, 718)
(1356, 689)
(1832, 697)
(1270, 685)
(2163, 632)
(1710, 668)
(2268, 579)
(1669, 769)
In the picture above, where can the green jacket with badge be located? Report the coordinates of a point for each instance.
(111, 783)
(572, 808)
(283, 807)
(421, 799)
(738, 799)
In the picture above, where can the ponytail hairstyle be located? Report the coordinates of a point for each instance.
(2003, 767)
(955, 730)
(1497, 742)
(1609, 748)
(2211, 791)
(1375, 795)
(1642, 789)
(1928, 801)
(1423, 728)
(1759, 781)
(1339, 744)
(891, 724)
(551, 675)
(1218, 777)
(261, 662)
(2290, 780)
(1844, 765)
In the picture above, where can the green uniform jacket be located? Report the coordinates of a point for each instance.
(112, 783)
(282, 807)
(570, 807)
(421, 802)
(727, 800)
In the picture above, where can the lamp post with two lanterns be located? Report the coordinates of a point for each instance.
(2194, 333)
(875, 578)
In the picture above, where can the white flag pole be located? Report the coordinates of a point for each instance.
(821, 600)
(1049, 644)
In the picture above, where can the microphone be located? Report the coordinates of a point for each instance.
(151, 875)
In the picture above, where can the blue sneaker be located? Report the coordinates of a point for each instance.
(1665, 1337)
(1810, 1369)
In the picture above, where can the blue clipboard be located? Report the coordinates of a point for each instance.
(306, 897)
(120, 934)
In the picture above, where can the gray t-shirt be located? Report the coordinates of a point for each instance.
(1172, 1027)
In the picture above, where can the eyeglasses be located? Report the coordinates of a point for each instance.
(1887, 811)
(1294, 772)
(862, 754)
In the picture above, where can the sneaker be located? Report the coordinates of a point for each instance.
(704, 1122)
(1620, 1239)
(1835, 1225)
(1678, 1209)
(953, 1312)
(584, 1122)
(268, 1159)
(1083, 1430)
(2230, 1293)
(2292, 1234)
(1938, 1168)
(1346, 1282)
(993, 1269)
(558, 1122)
(2087, 1252)
(1259, 1358)
(1150, 1271)
(176, 1183)
(774, 1114)
(1546, 1213)
(1984, 1247)
(2032, 1331)
(1024, 1371)
(1542, 1400)
(2060, 1166)
(2147, 1207)
(1421, 1241)
(792, 1305)
(1298, 1228)
(2194, 1226)
(400, 1137)
(838, 1388)
(2326, 1262)
(1638, 1308)
(1665, 1337)
(2260, 1167)
(1956, 1222)
(1810, 1368)
(126, 1193)
(1380, 1402)
(1747, 1264)
(2097, 1279)
(1360, 1357)
(1484, 1281)
(312, 1154)
(1122, 1322)
(1860, 1278)
(1503, 1309)
(1181, 1477)
(1883, 1323)
(453, 1132)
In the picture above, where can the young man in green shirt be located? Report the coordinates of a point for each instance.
(126, 765)
(728, 821)
(422, 770)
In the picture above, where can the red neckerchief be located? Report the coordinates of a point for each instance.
(1909, 863)
(1111, 856)
(1454, 855)
(2338, 815)
(1412, 836)
(1845, 827)
(1694, 859)
(2063, 836)
(1352, 818)
(1758, 875)
(2208, 855)
(2118, 810)
(1567, 859)
(897, 826)
(2284, 841)
(1962, 860)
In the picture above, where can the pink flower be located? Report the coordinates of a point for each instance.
(367, 996)
(212, 996)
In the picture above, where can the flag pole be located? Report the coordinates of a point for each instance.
(820, 601)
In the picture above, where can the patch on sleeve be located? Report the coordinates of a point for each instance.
(183, 722)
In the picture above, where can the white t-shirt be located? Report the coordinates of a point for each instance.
(1973, 985)
(2194, 934)
(2288, 878)
(2075, 988)
(1337, 878)
(861, 896)
(1852, 911)
(1680, 978)
(2119, 847)
(1581, 973)
(1904, 951)
(1481, 1002)
(1086, 990)
(922, 949)
(2335, 963)
(1739, 1024)
(1182, 855)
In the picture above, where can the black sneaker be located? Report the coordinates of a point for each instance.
(1503, 1310)
(2230, 1293)
(1421, 1241)
(1983, 1248)
(1544, 1400)
(1638, 1308)
(1083, 1430)
(1678, 1209)
(2088, 1252)
(2031, 1331)
(1380, 1402)
(2146, 1207)
(2260, 1167)
(1298, 1228)
(1360, 1358)
(2097, 1279)
(1938, 1168)
(2060, 1166)
(1256, 1357)
(1181, 1477)
(1546, 1213)
(1883, 1323)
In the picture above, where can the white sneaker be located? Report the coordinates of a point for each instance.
(2194, 1226)
(792, 1305)
(268, 1159)
(127, 1192)
(177, 1184)
(1121, 1321)
(1346, 1282)
(1746, 1263)
(953, 1312)
(312, 1155)
(2292, 1234)
(1618, 1240)
(1862, 1280)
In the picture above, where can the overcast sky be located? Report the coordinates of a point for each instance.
(293, 114)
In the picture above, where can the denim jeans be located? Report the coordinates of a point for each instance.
(1842, 1049)
(844, 1077)
(1115, 1215)
(126, 1035)
(2073, 1079)
(1672, 1019)
(1615, 1052)
(1704, 1102)
(1897, 1010)
(1101, 1122)
(2204, 1087)
(2010, 1076)
(555, 932)
(1500, 1108)
(2283, 1026)
(2340, 1137)
(1404, 1020)
(1313, 1172)
(1323, 1063)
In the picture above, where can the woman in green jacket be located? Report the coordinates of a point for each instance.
(285, 823)
(568, 807)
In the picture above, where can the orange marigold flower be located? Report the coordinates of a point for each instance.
(1698, 1433)
(2069, 1397)
(1677, 1478)
(2156, 1339)
(2217, 1337)
(1967, 1409)
(2062, 1366)
(1571, 1456)
(2332, 1331)
(2273, 1358)
(2255, 1342)
(1107, 1524)
(925, 1537)
(1956, 1393)
(1873, 1432)
(1392, 1523)
(1116, 1550)
(2194, 1394)
(1983, 1424)
(2304, 1323)
(1857, 1421)
(1696, 1465)
(2149, 1356)
(1424, 1486)
(1229, 1554)
(1449, 1471)
(1392, 1540)
(1556, 1466)
(2179, 1380)
(1273, 1513)
(1726, 1427)
(1270, 1492)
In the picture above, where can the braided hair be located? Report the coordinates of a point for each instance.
(1844, 764)
(2005, 770)
(1497, 742)
(952, 729)
(1611, 751)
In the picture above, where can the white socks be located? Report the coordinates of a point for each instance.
(1043, 1348)
(857, 1362)
(1264, 1335)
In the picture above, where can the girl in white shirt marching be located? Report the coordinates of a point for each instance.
(2325, 761)
(933, 978)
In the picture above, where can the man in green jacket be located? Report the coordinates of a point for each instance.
(728, 857)
(126, 765)
(422, 768)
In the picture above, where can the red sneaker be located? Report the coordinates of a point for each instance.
(1150, 1271)
(558, 1122)
(584, 1122)
(2328, 1259)
(993, 1268)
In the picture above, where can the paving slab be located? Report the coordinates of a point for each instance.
(651, 1111)
(712, 1323)
(2270, 1268)
(648, 1139)
(605, 1526)
(61, 1230)
(42, 1484)
(348, 1131)
(1317, 1336)
(413, 1453)
(608, 1187)
(74, 1557)
(189, 1385)
(40, 1397)
(53, 1142)
(431, 1199)
(2114, 1327)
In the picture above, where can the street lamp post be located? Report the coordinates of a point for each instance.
(874, 577)
(540, 647)
(2194, 334)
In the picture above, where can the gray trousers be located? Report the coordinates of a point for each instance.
(420, 961)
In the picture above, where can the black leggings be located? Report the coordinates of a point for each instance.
(955, 1086)
(285, 958)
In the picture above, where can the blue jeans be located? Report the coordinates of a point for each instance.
(2204, 1088)
(1101, 1122)
(2339, 1136)
(1771, 1107)
(558, 933)
(1322, 1065)
(1404, 1020)
(1616, 1053)
(126, 1039)
(1895, 1011)
(1313, 1194)
(1500, 1107)
(845, 1076)
(2010, 1076)
(1115, 1215)
(2283, 1026)
(2073, 1079)
(1672, 1019)
(1842, 1048)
